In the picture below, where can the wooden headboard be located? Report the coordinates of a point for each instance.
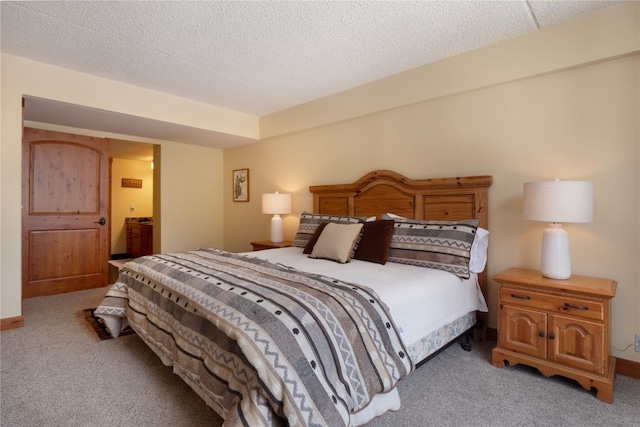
(385, 191)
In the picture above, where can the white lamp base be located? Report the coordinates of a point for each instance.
(555, 260)
(276, 229)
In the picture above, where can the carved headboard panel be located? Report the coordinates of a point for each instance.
(385, 191)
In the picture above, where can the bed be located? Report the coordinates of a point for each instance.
(319, 333)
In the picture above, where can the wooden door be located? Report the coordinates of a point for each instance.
(577, 343)
(65, 197)
(522, 330)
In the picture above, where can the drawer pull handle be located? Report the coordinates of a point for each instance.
(541, 334)
(520, 296)
(577, 307)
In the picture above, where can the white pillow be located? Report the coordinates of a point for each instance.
(392, 216)
(478, 256)
(337, 242)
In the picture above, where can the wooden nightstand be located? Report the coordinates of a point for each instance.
(266, 244)
(560, 327)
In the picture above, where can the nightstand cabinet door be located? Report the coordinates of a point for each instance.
(577, 343)
(523, 330)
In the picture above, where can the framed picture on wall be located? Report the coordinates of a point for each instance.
(241, 185)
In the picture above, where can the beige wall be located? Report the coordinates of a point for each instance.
(123, 197)
(191, 207)
(188, 177)
(576, 119)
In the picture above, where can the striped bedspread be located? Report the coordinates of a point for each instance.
(263, 344)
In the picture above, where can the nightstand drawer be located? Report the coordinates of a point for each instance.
(579, 307)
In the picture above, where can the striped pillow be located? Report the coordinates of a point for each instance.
(309, 222)
(443, 245)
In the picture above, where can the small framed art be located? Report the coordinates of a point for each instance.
(132, 182)
(241, 185)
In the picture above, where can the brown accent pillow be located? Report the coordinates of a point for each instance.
(314, 238)
(375, 242)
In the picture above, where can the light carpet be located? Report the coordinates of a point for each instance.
(54, 374)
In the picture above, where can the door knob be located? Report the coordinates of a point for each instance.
(102, 221)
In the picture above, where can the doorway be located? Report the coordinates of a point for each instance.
(132, 197)
(67, 222)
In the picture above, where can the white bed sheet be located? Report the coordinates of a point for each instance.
(421, 300)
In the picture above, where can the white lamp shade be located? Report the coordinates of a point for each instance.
(558, 201)
(276, 203)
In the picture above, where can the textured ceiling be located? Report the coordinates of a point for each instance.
(260, 57)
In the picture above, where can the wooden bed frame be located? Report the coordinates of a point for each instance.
(385, 191)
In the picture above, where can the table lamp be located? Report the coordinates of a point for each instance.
(276, 204)
(555, 202)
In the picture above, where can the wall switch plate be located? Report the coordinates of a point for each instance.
(638, 343)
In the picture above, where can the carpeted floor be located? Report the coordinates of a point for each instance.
(53, 373)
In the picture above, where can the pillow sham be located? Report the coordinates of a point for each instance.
(375, 241)
(479, 247)
(310, 221)
(337, 242)
(443, 245)
(308, 248)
